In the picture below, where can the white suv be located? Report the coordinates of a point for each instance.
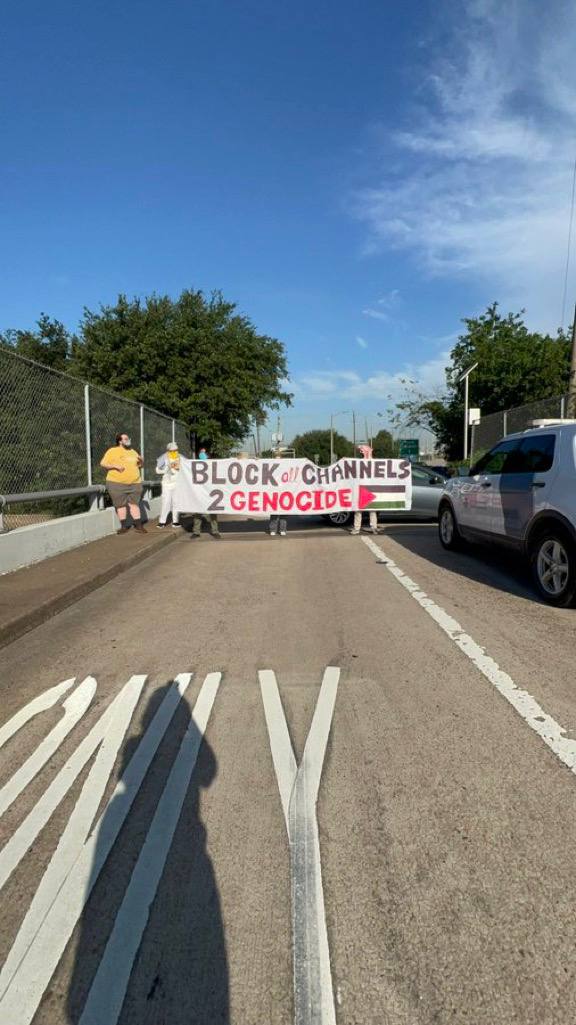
(522, 494)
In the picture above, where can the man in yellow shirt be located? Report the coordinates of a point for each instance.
(123, 481)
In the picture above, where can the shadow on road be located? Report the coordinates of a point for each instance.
(180, 972)
(492, 566)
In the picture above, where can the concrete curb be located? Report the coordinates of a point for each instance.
(22, 624)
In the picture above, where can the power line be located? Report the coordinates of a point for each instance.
(569, 247)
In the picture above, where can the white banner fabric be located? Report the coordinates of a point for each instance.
(272, 487)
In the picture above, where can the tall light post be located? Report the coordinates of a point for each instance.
(332, 418)
(464, 377)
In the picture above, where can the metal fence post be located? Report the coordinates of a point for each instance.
(562, 406)
(173, 430)
(505, 422)
(142, 435)
(87, 435)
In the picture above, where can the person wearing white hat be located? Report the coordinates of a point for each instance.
(168, 466)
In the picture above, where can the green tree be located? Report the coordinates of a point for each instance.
(383, 445)
(317, 443)
(50, 345)
(515, 366)
(193, 358)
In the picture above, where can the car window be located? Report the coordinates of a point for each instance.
(496, 459)
(420, 476)
(533, 455)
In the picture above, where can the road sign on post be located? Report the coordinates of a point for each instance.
(408, 448)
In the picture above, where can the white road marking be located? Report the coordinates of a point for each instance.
(32, 961)
(74, 708)
(313, 995)
(40, 704)
(533, 714)
(108, 989)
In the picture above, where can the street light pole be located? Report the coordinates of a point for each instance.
(571, 411)
(332, 416)
(464, 377)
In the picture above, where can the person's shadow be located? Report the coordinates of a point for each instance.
(180, 973)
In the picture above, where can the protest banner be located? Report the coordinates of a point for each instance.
(269, 487)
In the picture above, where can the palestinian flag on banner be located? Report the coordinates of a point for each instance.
(382, 496)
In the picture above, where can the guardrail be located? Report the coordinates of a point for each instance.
(94, 492)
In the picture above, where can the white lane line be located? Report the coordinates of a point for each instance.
(74, 708)
(283, 758)
(76, 830)
(25, 988)
(313, 994)
(533, 714)
(40, 704)
(108, 990)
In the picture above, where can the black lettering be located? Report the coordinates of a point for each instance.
(391, 471)
(337, 472)
(349, 466)
(235, 473)
(216, 505)
(309, 473)
(364, 468)
(215, 478)
(268, 471)
(405, 469)
(323, 475)
(199, 472)
(380, 468)
(252, 473)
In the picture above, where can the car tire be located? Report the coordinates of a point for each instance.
(448, 533)
(553, 567)
(339, 519)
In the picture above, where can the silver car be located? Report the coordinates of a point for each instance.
(427, 487)
(522, 494)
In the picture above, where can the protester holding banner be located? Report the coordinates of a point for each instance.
(198, 518)
(277, 525)
(358, 522)
(123, 481)
(168, 466)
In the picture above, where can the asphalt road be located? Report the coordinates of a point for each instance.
(445, 806)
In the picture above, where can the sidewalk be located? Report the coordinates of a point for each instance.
(30, 596)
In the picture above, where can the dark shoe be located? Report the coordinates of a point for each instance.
(140, 528)
(160, 526)
(194, 534)
(123, 530)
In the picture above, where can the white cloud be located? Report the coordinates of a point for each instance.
(381, 385)
(483, 175)
(361, 342)
(375, 314)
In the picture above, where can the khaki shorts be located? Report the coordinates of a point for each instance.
(124, 494)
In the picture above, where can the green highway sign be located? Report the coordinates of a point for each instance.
(409, 448)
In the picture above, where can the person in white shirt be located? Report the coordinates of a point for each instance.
(168, 466)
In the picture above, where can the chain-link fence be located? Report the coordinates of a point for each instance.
(496, 425)
(54, 430)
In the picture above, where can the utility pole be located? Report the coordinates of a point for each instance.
(571, 411)
(354, 433)
(464, 377)
(258, 437)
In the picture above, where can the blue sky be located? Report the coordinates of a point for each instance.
(357, 177)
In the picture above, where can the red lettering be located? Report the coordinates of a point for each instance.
(331, 499)
(345, 497)
(303, 501)
(253, 501)
(238, 501)
(270, 501)
(318, 503)
(286, 501)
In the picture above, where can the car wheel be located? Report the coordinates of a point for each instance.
(448, 532)
(339, 519)
(553, 565)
